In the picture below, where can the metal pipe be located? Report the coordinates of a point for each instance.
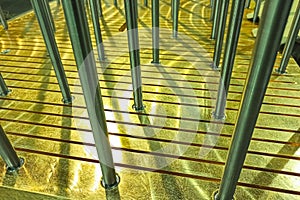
(172, 9)
(3, 88)
(49, 14)
(8, 153)
(247, 4)
(97, 29)
(155, 31)
(236, 16)
(49, 38)
(222, 16)
(213, 7)
(3, 20)
(136, 12)
(134, 52)
(256, 10)
(99, 6)
(271, 29)
(288, 49)
(82, 47)
(176, 5)
(216, 18)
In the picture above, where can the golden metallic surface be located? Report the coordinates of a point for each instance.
(173, 150)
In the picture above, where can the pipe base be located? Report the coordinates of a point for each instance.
(112, 186)
(68, 101)
(14, 169)
(5, 93)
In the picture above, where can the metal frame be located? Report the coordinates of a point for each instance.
(8, 153)
(134, 52)
(40, 9)
(233, 34)
(288, 49)
(273, 22)
(81, 42)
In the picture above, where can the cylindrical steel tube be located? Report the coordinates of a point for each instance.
(256, 10)
(134, 52)
(39, 8)
(288, 49)
(48, 10)
(155, 31)
(8, 153)
(216, 18)
(99, 6)
(175, 8)
(212, 11)
(271, 29)
(222, 16)
(247, 4)
(97, 29)
(3, 20)
(234, 28)
(3, 88)
(172, 9)
(81, 43)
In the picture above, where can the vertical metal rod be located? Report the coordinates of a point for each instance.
(176, 6)
(3, 20)
(288, 49)
(97, 29)
(134, 52)
(146, 3)
(172, 9)
(8, 153)
(213, 7)
(155, 31)
(271, 29)
(3, 88)
(81, 43)
(216, 18)
(256, 10)
(222, 16)
(99, 6)
(236, 16)
(48, 9)
(49, 38)
(247, 4)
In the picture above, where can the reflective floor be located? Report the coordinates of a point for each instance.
(173, 150)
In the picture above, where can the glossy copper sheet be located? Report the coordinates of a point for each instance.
(172, 151)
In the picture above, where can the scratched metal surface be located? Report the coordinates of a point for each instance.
(174, 150)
